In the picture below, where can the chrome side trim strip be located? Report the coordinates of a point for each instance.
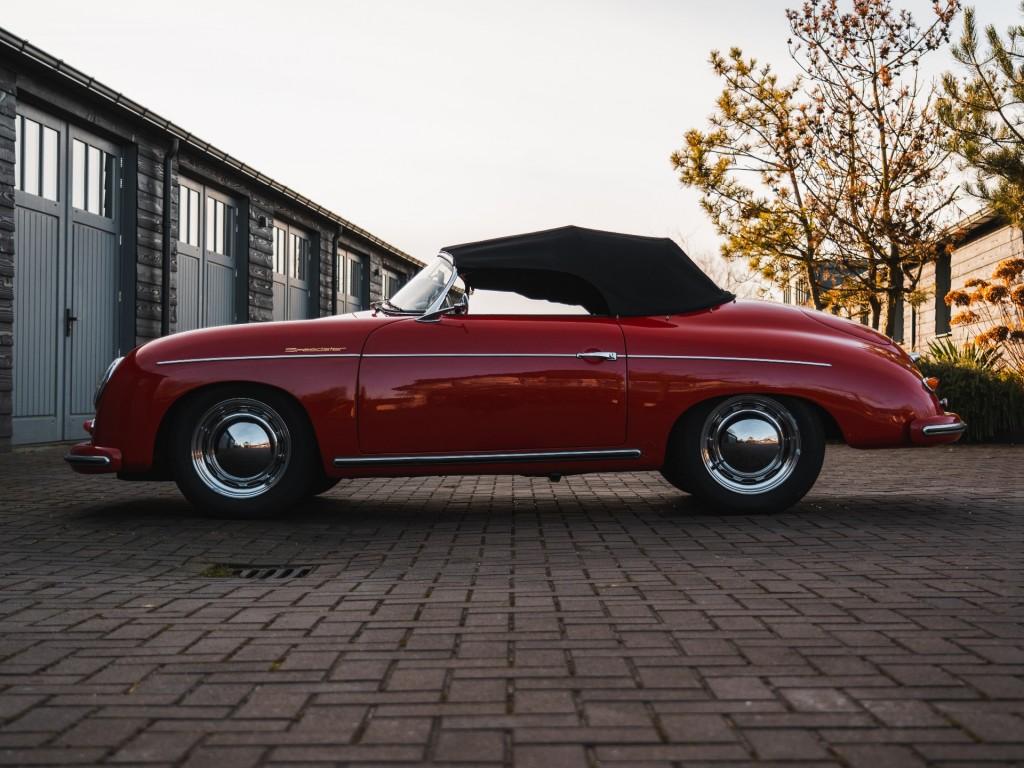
(494, 354)
(731, 359)
(471, 354)
(253, 357)
(944, 429)
(71, 458)
(486, 458)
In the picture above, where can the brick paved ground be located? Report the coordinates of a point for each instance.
(603, 621)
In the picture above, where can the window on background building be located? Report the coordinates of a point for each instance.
(943, 283)
(36, 158)
(92, 179)
(351, 281)
(280, 245)
(220, 223)
(796, 293)
(189, 215)
(356, 276)
(298, 252)
(801, 294)
(390, 283)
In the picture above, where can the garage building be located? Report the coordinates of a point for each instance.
(117, 226)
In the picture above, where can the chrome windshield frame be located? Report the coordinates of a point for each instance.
(436, 305)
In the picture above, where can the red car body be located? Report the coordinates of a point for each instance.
(388, 395)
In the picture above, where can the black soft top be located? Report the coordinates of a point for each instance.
(605, 272)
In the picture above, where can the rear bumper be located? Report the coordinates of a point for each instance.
(90, 459)
(937, 430)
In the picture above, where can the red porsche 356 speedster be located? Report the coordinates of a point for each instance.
(731, 400)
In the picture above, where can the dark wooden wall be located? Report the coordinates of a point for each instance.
(7, 102)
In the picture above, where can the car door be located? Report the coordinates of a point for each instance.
(483, 383)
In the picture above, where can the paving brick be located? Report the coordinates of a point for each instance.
(570, 756)
(470, 747)
(774, 744)
(156, 748)
(272, 702)
(224, 757)
(102, 732)
(697, 728)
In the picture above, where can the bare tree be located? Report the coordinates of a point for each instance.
(885, 194)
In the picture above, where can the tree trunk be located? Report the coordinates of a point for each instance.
(812, 287)
(894, 295)
(876, 311)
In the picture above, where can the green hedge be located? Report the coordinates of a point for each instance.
(991, 402)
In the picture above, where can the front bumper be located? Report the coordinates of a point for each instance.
(937, 430)
(90, 459)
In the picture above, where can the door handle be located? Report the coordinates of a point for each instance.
(69, 321)
(597, 356)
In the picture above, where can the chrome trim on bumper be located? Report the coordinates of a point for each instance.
(93, 461)
(487, 458)
(944, 429)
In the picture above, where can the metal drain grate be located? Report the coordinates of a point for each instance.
(258, 572)
(273, 572)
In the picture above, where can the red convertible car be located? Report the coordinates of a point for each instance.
(731, 400)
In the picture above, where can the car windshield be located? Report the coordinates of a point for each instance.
(420, 293)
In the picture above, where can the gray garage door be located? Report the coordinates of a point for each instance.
(207, 246)
(66, 280)
(292, 272)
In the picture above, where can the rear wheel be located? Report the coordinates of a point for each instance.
(245, 454)
(749, 453)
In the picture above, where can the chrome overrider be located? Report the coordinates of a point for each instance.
(944, 429)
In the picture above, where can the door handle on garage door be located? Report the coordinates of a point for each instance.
(597, 355)
(69, 321)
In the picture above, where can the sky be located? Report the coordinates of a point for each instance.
(435, 123)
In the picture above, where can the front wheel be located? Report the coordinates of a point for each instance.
(749, 453)
(243, 455)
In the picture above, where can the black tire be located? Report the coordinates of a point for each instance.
(321, 485)
(783, 433)
(218, 474)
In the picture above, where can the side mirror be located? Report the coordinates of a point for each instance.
(459, 308)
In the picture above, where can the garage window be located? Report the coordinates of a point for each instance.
(298, 252)
(392, 282)
(188, 215)
(351, 281)
(220, 224)
(280, 251)
(36, 158)
(92, 179)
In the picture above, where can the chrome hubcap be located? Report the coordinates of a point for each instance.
(240, 448)
(750, 444)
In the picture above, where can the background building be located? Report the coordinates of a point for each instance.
(117, 226)
(979, 242)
